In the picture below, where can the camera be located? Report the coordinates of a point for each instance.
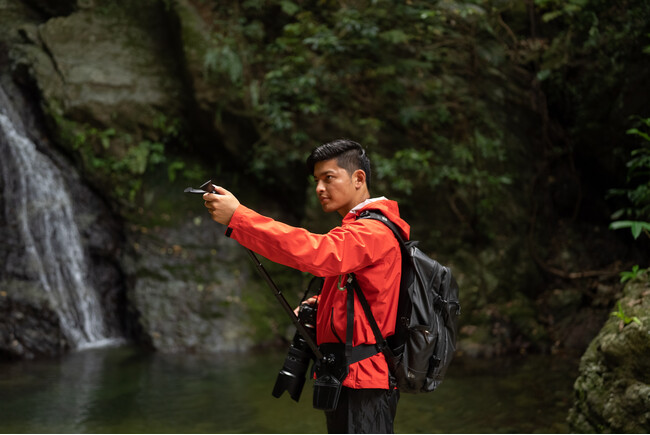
(294, 370)
(330, 372)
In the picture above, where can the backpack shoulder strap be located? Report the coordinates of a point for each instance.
(353, 286)
(377, 215)
(381, 345)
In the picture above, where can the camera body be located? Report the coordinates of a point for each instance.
(296, 364)
(330, 372)
(307, 316)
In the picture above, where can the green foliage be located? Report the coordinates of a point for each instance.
(221, 59)
(112, 158)
(594, 27)
(593, 55)
(620, 314)
(632, 274)
(638, 192)
(409, 80)
(635, 226)
(560, 8)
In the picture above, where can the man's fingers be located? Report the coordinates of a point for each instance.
(222, 204)
(211, 197)
(221, 191)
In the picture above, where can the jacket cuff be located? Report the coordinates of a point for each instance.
(236, 216)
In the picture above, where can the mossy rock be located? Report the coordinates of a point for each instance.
(612, 393)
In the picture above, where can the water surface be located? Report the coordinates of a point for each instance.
(124, 390)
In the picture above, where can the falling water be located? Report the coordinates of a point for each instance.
(38, 205)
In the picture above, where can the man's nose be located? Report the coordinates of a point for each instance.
(320, 187)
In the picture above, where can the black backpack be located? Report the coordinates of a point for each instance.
(424, 342)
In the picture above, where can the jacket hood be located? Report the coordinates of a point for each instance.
(387, 207)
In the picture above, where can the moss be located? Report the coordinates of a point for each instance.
(195, 37)
(124, 161)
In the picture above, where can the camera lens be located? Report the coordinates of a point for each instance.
(296, 364)
(294, 370)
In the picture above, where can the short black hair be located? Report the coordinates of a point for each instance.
(348, 154)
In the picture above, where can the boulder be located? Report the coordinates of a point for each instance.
(612, 392)
(29, 326)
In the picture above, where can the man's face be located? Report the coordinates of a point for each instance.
(336, 189)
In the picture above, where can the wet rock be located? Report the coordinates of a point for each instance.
(187, 286)
(29, 326)
(612, 393)
(54, 9)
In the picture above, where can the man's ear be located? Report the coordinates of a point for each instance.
(359, 177)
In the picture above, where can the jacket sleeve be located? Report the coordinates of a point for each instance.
(344, 249)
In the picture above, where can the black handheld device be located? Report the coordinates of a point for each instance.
(206, 187)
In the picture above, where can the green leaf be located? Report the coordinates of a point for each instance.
(395, 36)
(639, 133)
(173, 168)
(620, 224)
(550, 16)
(635, 226)
(289, 7)
(543, 74)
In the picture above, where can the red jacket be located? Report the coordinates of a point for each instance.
(365, 246)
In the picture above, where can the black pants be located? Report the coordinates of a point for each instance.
(363, 411)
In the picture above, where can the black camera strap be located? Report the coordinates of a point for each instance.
(285, 305)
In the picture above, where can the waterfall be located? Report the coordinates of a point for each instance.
(39, 207)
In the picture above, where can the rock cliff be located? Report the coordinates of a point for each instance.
(104, 87)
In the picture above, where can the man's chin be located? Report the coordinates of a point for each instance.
(327, 208)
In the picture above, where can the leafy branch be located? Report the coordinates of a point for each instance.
(638, 194)
(635, 226)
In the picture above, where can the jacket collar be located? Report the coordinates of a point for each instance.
(387, 207)
(361, 205)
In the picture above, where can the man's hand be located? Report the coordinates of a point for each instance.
(221, 205)
(311, 301)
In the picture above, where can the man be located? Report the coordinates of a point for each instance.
(365, 247)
